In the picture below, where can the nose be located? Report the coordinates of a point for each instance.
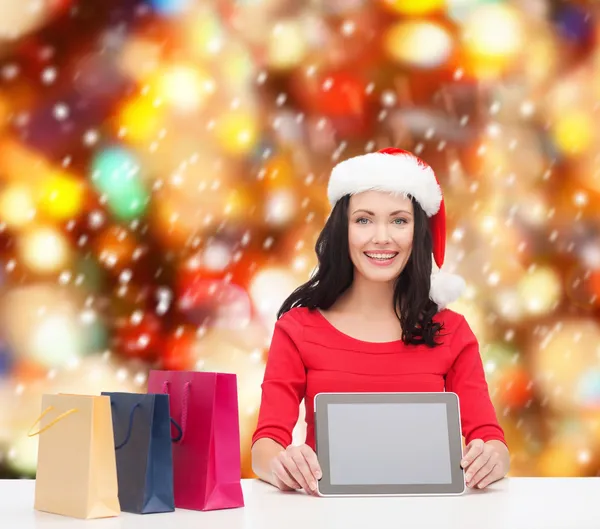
(381, 235)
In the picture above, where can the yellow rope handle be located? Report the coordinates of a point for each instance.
(51, 423)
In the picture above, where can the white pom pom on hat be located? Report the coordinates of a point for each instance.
(399, 171)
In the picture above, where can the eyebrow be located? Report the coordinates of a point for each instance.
(391, 214)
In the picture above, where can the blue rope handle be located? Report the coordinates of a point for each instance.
(130, 427)
(178, 438)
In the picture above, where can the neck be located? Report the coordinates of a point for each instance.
(369, 298)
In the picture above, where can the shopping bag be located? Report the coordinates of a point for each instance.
(142, 438)
(76, 466)
(207, 457)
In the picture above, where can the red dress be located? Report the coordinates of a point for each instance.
(308, 355)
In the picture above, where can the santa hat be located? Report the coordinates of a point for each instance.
(399, 171)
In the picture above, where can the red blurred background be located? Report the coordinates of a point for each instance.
(162, 183)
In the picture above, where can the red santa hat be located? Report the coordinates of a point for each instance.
(399, 171)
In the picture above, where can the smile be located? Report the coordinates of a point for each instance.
(381, 258)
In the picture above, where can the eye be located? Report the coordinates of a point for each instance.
(400, 221)
(362, 220)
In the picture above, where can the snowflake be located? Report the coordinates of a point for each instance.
(49, 75)
(61, 111)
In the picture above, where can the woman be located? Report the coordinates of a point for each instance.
(373, 319)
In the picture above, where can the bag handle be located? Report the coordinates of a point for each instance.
(184, 408)
(51, 423)
(178, 438)
(130, 427)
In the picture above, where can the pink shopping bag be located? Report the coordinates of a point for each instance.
(207, 465)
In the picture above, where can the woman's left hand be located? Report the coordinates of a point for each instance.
(485, 463)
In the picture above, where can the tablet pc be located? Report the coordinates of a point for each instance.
(389, 444)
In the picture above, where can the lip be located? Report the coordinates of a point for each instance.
(381, 262)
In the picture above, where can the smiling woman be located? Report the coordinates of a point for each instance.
(365, 251)
(381, 230)
(373, 318)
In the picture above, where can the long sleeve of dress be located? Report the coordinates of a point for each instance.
(284, 384)
(467, 379)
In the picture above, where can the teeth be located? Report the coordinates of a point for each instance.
(381, 257)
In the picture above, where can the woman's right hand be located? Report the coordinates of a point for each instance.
(296, 467)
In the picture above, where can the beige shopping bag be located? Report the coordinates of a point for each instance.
(76, 467)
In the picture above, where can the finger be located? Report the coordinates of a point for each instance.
(281, 473)
(476, 467)
(291, 466)
(281, 485)
(483, 471)
(284, 479)
(307, 476)
(493, 476)
(312, 461)
(474, 449)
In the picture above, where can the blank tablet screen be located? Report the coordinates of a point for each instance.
(407, 444)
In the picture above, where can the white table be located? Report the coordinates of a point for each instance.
(513, 503)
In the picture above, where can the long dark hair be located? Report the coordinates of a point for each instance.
(335, 273)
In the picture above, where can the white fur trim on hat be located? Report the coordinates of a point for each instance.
(445, 288)
(396, 173)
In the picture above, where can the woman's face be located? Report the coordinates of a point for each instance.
(380, 234)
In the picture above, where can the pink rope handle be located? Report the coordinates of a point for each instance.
(184, 408)
(184, 405)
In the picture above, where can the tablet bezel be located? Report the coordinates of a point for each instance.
(450, 399)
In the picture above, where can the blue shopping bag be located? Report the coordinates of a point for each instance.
(142, 434)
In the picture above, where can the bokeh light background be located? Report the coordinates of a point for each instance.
(163, 167)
